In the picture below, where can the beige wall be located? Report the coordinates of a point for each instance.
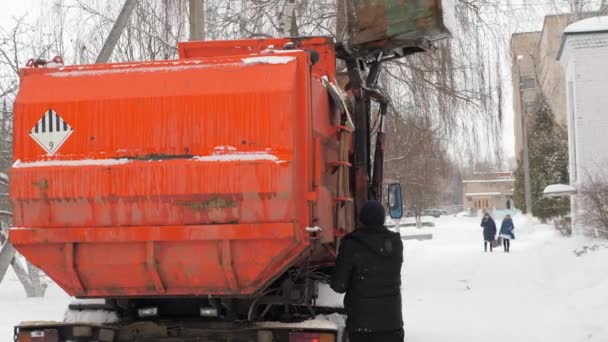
(539, 51)
(524, 45)
(491, 194)
(550, 73)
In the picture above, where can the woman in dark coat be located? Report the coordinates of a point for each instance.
(506, 232)
(489, 231)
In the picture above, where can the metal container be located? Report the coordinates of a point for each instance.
(395, 23)
(196, 176)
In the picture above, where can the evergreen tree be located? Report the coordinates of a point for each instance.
(548, 154)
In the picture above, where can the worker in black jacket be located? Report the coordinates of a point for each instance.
(368, 269)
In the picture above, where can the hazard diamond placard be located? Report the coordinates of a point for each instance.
(51, 131)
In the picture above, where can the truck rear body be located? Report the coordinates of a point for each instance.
(189, 177)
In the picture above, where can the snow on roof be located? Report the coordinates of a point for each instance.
(268, 60)
(589, 25)
(557, 190)
(489, 180)
(479, 194)
(231, 156)
(240, 156)
(79, 162)
(121, 69)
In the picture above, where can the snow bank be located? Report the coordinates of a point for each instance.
(268, 60)
(329, 298)
(453, 291)
(317, 323)
(90, 316)
(15, 307)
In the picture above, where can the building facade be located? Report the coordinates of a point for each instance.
(584, 56)
(536, 72)
(525, 91)
(488, 191)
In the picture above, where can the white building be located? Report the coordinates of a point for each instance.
(584, 56)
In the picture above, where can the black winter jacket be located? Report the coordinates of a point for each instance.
(489, 229)
(368, 269)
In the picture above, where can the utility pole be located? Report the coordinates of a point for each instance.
(524, 129)
(341, 20)
(288, 25)
(119, 26)
(197, 19)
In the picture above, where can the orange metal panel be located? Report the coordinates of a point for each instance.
(323, 46)
(169, 260)
(188, 177)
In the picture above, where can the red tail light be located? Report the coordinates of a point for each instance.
(42, 335)
(311, 337)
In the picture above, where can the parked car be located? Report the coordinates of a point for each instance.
(432, 212)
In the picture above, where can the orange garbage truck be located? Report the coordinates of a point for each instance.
(203, 198)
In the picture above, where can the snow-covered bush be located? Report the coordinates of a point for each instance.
(548, 155)
(593, 196)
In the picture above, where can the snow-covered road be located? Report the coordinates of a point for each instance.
(540, 291)
(455, 292)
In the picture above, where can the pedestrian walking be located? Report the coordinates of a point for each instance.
(368, 270)
(506, 232)
(489, 231)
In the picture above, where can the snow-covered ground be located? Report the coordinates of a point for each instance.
(541, 291)
(453, 291)
(15, 307)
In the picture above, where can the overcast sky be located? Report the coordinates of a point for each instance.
(17, 8)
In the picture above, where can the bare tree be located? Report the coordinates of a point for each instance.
(593, 206)
(603, 10)
(197, 19)
(11, 42)
(417, 158)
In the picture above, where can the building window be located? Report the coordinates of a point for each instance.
(482, 204)
(528, 82)
(529, 107)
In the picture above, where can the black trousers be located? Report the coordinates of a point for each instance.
(506, 243)
(485, 245)
(379, 336)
